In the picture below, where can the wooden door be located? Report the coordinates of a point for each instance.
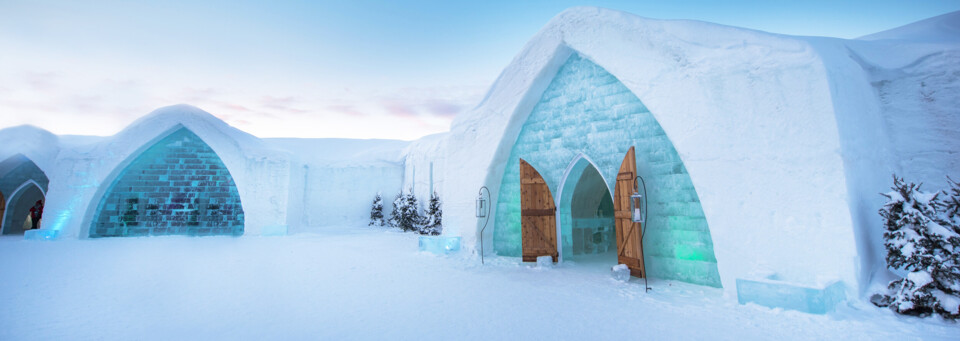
(629, 247)
(538, 220)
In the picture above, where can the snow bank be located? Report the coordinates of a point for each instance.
(364, 284)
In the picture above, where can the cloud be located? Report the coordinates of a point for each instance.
(346, 109)
(397, 108)
(443, 108)
(284, 104)
(41, 81)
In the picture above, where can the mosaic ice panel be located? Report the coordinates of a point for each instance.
(177, 186)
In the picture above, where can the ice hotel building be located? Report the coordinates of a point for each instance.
(762, 155)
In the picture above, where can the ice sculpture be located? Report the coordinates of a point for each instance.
(440, 245)
(778, 294)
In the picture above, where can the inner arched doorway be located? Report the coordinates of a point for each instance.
(22, 184)
(586, 215)
(17, 209)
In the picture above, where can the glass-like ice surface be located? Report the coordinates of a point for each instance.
(440, 245)
(778, 294)
(587, 110)
(177, 186)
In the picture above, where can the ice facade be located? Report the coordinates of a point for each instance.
(587, 111)
(22, 183)
(177, 186)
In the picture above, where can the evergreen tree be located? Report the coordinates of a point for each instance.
(398, 202)
(920, 241)
(951, 205)
(432, 224)
(376, 211)
(408, 218)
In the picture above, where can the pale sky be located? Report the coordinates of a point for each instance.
(357, 69)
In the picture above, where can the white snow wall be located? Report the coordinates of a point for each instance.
(423, 164)
(749, 113)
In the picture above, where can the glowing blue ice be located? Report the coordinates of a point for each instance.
(440, 245)
(41, 234)
(179, 185)
(778, 294)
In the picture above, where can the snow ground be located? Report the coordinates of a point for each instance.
(366, 283)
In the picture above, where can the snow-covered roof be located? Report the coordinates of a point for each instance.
(784, 137)
(942, 28)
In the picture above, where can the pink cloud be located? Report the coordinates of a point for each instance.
(346, 109)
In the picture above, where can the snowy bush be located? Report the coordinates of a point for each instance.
(432, 224)
(406, 212)
(376, 211)
(395, 214)
(922, 237)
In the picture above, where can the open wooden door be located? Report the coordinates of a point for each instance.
(538, 223)
(629, 247)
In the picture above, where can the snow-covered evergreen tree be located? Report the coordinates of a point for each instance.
(920, 241)
(376, 211)
(406, 213)
(398, 202)
(951, 204)
(432, 224)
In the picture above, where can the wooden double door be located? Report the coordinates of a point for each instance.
(539, 219)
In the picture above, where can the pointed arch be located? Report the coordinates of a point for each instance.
(21, 180)
(571, 195)
(174, 184)
(586, 110)
(18, 207)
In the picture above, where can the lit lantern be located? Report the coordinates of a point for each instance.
(637, 207)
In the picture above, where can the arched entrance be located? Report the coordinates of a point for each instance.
(177, 185)
(586, 110)
(17, 210)
(22, 184)
(585, 214)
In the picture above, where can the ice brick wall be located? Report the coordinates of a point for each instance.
(587, 110)
(18, 169)
(177, 186)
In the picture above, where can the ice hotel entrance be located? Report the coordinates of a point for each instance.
(22, 185)
(584, 131)
(587, 222)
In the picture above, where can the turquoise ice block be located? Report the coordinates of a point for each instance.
(779, 294)
(439, 244)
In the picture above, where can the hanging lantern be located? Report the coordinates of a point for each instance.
(481, 206)
(636, 207)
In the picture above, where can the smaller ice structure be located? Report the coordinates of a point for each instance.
(621, 272)
(440, 245)
(544, 262)
(41, 234)
(274, 230)
(778, 294)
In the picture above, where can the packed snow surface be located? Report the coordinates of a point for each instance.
(366, 283)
